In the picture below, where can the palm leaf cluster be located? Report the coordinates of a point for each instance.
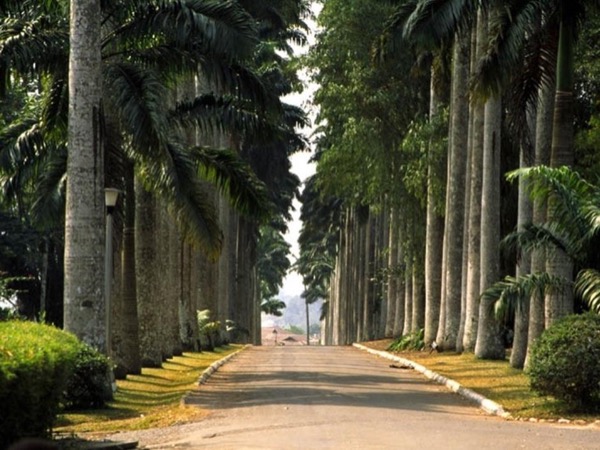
(575, 229)
(147, 48)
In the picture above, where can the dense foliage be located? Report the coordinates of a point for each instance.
(36, 362)
(565, 361)
(90, 384)
(413, 341)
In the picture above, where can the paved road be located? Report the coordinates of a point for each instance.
(342, 398)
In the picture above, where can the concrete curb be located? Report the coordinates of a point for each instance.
(215, 366)
(484, 403)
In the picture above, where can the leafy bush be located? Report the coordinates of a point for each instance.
(209, 330)
(413, 341)
(565, 361)
(36, 361)
(90, 384)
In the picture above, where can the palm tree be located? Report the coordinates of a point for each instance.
(574, 231)
(143, 111)
(84, 300)
(272, 307)
(527, 22)
(272, 264)
(390, 45)
(318, 241)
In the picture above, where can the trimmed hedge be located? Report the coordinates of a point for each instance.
(565, 362)
(90, 384)
(36, 362)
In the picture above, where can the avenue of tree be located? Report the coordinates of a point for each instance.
(424, 212)
(176, 104)
(424, 107)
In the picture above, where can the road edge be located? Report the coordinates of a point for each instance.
(484, 403)
(206, 374)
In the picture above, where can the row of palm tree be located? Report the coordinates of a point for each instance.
(511, 68)
(171, 94)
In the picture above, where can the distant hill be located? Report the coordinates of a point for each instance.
(294, 313)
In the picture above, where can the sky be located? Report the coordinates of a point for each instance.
(301, 166)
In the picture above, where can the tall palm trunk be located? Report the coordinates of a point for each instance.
(392, 279)
(559, 304)
(243, 313)
(147, 290)
(456, 192)
(543, 145)
(489, 343)
(400, 283)
(84, 297)
(187, 304)
(408, 299)
(418, 300)
(162, 270)
(367, 275)
(383, 248)
(521, 328)
(172, 297)
(226, 266)
(434, 233)
(130, 346)
(474, 219)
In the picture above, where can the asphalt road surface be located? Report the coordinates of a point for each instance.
(343, 398)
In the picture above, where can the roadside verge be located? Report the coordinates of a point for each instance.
(484, 403)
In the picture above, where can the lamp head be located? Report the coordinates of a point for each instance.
(110, 198)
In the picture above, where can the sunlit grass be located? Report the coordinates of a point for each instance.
(495, 380)
(152, 399)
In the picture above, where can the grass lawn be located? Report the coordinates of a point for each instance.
(152, 399)
(495, 380)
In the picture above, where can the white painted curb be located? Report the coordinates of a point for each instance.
(215, 366)
(484, 403)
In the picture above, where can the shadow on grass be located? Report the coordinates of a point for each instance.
(157, 393)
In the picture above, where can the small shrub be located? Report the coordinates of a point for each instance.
(35, 363)
(565, 362)
(209, 330)
(412, 341)
(90, 384)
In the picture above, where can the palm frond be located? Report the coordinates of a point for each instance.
(215, 27)
(435, 21)
(510, 28)
(172, 174)
(273, 307)
(233, 176)
(568, 191)
(536, 74)
(587, 286)
(19, 140)
(31, 47)
(211, 113)
(55, 106)
(511, 293)
(538, 236)
(591, 212)
(48, 209)
(163, 58)
(392, 39)
(294, 116)
(240, 81)
(140, 98)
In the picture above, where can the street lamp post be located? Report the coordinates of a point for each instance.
(110, 197)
